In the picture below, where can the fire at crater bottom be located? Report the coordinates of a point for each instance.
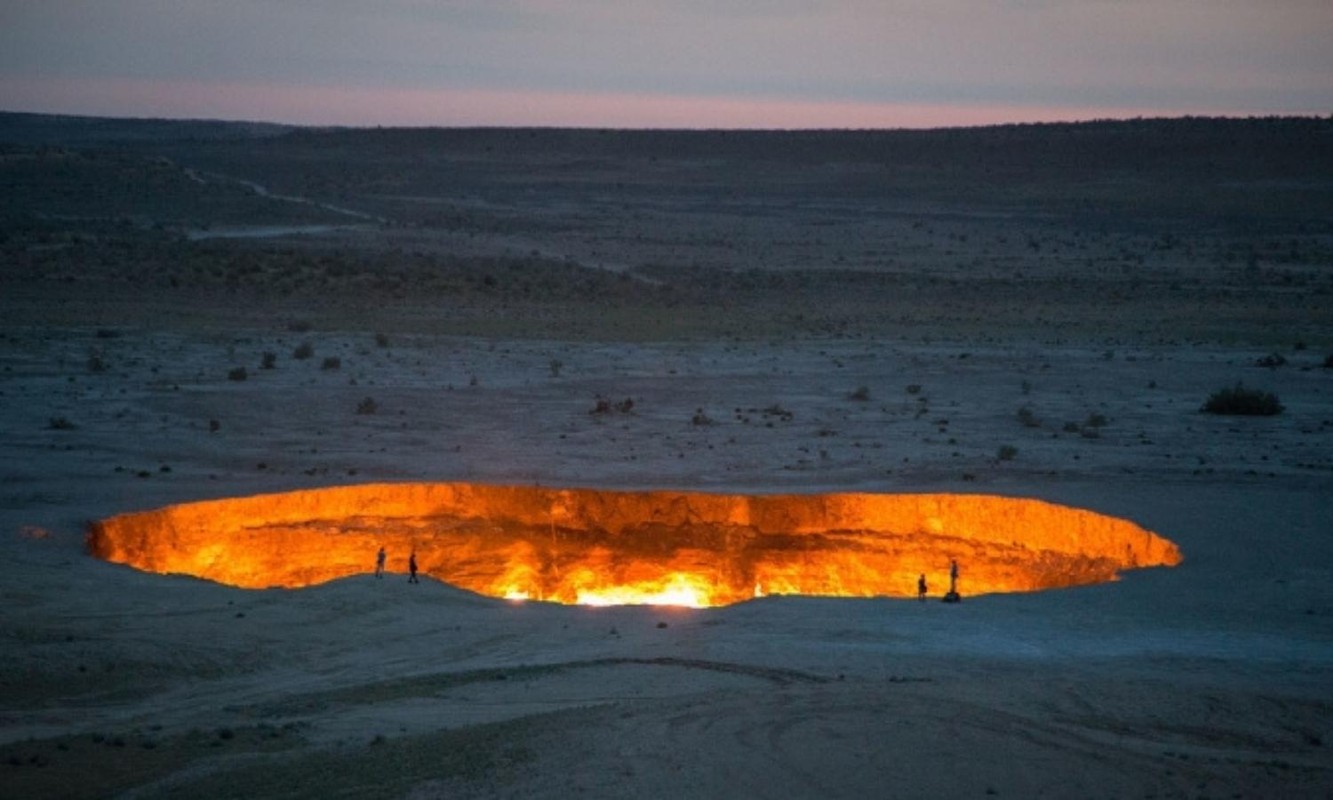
(605, 547)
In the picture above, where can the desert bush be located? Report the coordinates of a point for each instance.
(1028, 418)
(1237, 400)
(367, 406)
(700, 418)
(605, 406)
(303, 351)
(61, 424)
(268, 361)
(914, 388)
(860, 394)
(1095, 420)
(237, 374)
(381, 340)
(1007, 452)
(1272, 361)
(556, 365)
(96, 364)
(331, 363)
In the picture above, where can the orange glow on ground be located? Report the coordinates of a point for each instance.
(599, 547)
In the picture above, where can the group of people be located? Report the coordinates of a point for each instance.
(952, 596)
(411, 566)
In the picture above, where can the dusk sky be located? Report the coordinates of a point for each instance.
(666, 63)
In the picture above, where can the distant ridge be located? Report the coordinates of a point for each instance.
(78, 131)
(1160, 154)
(89, 131)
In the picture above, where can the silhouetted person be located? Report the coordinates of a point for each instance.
(412, 568)
(379, 563)
(921, 588)
(953, 596)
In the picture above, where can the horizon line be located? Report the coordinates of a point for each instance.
(364, 107)
(1016, 123)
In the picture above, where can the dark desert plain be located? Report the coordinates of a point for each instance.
(193, 311)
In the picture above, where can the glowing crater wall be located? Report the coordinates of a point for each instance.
(597, 546)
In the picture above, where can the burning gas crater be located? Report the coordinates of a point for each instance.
(615, 547)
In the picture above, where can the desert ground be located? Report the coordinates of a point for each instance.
(195, 310)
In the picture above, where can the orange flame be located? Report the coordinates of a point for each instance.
(612, 547)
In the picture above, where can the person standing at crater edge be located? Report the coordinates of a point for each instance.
(412, 568)
(379, 563)
(953, 596)
(921, 588)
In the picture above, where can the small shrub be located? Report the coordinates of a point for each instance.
(381, 340)
(268, 361)
(1028, 418)
(237, 374)
(61, 424)
(556, 365)
(1237, 400)
(96, 364)
(1007, 452)
(700, 418)
(367, 406)
(303, 351)
(861, 394)
(331, 363)
(1272, 361)
(1095, 420)
(914, 388)
(605, 406)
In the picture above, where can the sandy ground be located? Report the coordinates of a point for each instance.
(1211, 679)
(1208, 679)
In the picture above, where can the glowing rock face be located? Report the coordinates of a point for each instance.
(613, 547)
